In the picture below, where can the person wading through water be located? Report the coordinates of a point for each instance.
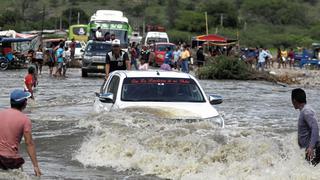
(116, 59)
(14, 125)
(308, 130)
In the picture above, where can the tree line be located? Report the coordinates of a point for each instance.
(271, 23)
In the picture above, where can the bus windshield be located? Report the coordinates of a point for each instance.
(120, 29)
(79, 31)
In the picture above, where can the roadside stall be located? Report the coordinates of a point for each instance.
(214, 44)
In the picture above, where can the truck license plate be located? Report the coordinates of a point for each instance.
(100, 67)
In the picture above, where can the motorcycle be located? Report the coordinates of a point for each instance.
(11, 59)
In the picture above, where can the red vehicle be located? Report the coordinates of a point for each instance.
(158, 51)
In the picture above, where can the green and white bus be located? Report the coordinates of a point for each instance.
(113, 22)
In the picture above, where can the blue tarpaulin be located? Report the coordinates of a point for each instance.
(13, 40)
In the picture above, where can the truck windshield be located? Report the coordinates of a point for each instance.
(98, 47)
(161, 90)
(163, 47)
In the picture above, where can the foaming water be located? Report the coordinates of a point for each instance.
(14, 175)
(181, 150)
(258, 141)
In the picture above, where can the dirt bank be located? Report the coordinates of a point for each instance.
(297, 76)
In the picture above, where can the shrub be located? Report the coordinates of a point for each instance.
(225, 67)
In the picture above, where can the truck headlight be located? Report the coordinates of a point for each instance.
(217, 120)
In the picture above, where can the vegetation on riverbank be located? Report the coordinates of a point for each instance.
(226, 67)
(274, 23)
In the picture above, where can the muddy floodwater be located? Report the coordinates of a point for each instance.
(259, 140)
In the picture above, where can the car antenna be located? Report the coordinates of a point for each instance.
(158, 73)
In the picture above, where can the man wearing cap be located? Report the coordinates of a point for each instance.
(116, 59)
(14, 125)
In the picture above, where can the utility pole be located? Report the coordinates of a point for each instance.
(221, 19)
(42, 24)
(43, 16)
(206, 16)
(78, 20)
(69, 19)
(60, 23)
(143, 26)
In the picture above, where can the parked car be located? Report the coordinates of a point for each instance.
(94, 57)
(158, 51)
(174, 92)
(79, 46)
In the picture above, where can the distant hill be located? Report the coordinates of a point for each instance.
(271, 23)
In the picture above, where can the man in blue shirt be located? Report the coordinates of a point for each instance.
(168, 56)
(308, 130)
(59, 55)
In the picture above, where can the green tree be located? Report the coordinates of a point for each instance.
(172, 12)
(23, 5)
(222, 12)
(10, 20)
(191, 21)
(279, 12)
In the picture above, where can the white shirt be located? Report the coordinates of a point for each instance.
(98, 34)
(39, 55)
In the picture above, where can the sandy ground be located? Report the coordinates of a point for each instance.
(304, 77)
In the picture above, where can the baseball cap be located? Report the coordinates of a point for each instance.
(116, 42)
(19, 95)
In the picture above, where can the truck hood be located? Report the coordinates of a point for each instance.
(173, 110)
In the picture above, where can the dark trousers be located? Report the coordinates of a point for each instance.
(316, 156)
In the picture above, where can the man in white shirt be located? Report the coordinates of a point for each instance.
(98, 34)
(262, 58)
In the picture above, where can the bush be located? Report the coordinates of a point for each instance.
(225, 67)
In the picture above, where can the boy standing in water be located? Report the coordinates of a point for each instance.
(29, 81)
(308, 130)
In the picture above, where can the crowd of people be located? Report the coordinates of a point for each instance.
(178, 58)
(57, 58)
(263, 58)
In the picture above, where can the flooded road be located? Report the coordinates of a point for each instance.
(258, 142)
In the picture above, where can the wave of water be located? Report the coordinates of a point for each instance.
(142, 142)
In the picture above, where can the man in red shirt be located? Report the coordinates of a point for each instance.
(29, 81)
(72, 46)
(14, 125)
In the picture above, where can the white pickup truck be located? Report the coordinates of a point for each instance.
(178, 94)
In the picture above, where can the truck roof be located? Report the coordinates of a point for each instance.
(154, 74)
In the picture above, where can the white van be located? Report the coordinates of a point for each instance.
(153, 37)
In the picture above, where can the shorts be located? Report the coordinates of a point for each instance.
(316, 159)
(40, 61)
(51, 63)
(60, 65)
(200, 63)
(10, 163)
